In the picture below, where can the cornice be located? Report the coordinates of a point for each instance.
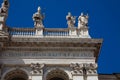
(56, 39)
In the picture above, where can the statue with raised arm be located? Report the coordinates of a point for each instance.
(70, 20)
(4, 8)
(38, 18)
(83, 20)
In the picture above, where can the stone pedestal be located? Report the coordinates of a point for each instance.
(83, 32)
(72, 32)
(39, 32)
(2, 21)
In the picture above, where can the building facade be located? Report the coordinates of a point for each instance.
(41, 53)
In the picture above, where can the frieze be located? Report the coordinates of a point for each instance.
(84, 54)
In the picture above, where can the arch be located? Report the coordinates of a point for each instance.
(15, 72)
(56, 74)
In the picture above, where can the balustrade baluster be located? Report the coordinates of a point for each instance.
(29, 33)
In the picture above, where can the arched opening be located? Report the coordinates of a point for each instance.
(57, 75)
(16, 75)
(17, 78)
(56, 78)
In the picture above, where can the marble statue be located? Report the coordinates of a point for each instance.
(83, 20)
(38, 18)
(70, 20)
(4, 8)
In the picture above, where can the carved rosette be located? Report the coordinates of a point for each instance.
(36, 68)
(84, 68)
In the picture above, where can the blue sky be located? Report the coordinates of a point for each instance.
(104, 22)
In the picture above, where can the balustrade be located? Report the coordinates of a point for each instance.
(56, 32)
(21, 31)
(32, 32)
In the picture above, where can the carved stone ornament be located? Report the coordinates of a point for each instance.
(36, 68)
(83, 68)
(70, 20)
(77, 68)
(92, 69)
